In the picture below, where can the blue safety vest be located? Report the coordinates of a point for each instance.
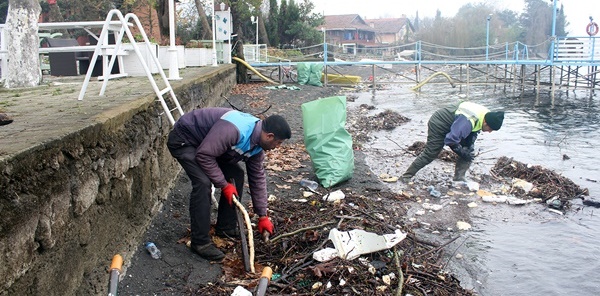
(245, 124)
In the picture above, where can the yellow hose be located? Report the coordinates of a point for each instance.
(418, 86)
(254, 70)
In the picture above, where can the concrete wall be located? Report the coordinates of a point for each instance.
(69, 205)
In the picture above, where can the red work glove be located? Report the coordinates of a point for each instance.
(264, 224)
(228, 191)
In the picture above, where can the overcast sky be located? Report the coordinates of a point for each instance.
(577, 11)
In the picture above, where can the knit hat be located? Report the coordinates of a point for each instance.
(494, 119)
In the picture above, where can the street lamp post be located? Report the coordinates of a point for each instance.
(254, 20)
(487, 37)
(214, 35)
(173, 62)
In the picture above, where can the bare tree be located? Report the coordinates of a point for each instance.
(206, 28)
(22, 36)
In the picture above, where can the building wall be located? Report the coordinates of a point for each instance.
(70, 204)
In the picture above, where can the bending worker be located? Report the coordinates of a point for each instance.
(456, 126)
(209, 143)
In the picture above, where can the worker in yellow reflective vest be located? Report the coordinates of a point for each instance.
(455, 126)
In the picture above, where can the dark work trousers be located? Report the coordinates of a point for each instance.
(200, 197)
(437, 127)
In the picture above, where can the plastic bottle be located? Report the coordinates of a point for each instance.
(153, 250)
(312, 185)
(433, 192)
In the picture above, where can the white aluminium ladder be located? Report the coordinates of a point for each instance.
(103, 49)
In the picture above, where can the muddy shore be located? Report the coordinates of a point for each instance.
(180, 272)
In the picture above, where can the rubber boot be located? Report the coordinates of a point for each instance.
(460, 170)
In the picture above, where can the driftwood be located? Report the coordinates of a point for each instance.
(549, 184)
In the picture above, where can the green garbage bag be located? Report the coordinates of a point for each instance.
(327, 141)
(303, 72)
(314, 78)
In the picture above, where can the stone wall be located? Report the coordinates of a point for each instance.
(70, 204)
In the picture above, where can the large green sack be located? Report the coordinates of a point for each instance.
(314, 78)
(303, 73)
(327, 141)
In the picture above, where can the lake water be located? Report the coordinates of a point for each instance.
(514, 250)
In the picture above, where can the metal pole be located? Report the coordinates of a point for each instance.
(324, 55)
(257, 47)
(553, 31)
(173, 63)
(487, 37)
(214, 35)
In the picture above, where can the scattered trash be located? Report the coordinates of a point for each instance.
(317, 285)
(483, 193)
(333, 196)
(471, 185)
(522, 184)
(547, 183)
(325, 255)
(351, 244)
(307, 194)
(555, 211)
(461, 225)
(494, 198)
(153, 250)
(311, 185)
(555, 203)
(300, 200)
(472, 205)
(432, 207)
(511, 200)
(283, 86)
(241, 291)
(433, 192)
(390, 180)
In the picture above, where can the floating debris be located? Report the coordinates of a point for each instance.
(547, 184)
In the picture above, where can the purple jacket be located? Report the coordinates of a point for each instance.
(213, 138)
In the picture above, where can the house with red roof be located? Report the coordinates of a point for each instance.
(355, 35)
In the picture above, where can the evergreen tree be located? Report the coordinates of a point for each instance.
(272, 23)
(282, 23)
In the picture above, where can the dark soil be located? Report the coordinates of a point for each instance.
(412, 266)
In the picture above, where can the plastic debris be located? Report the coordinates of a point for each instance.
(351, 244)
(333, 196)
(473, 186)
(434, 192)
(432, 207)
(555, 211)
(511, 200)
(494, 198)
(472, 205)
(311, 185)
(317, 285)
(153, 250)
(241, 291)
(325, 255)
(461, 225)
(483, 193)
(522, 184)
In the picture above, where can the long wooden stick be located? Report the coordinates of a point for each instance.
(300, 230)
(250, 233)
